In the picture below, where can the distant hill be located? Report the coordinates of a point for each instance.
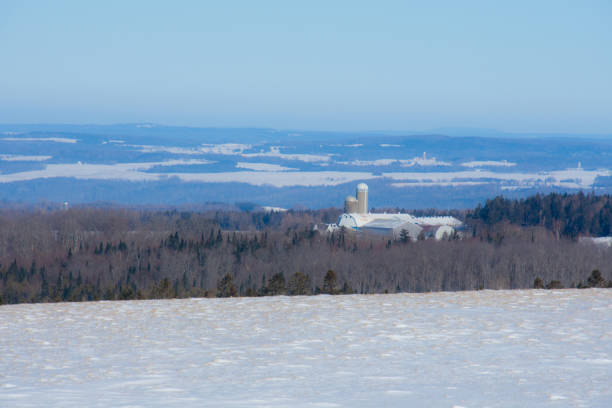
(149, 164)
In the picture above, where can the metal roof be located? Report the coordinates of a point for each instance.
(355, 220)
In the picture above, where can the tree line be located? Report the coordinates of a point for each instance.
(568, 215)
(109, 254)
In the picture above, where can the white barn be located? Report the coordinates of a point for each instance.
(392, 224)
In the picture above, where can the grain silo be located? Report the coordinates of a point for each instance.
(362, 198)
(350, 205)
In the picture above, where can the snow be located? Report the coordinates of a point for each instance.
(303, 157)
(440, 184)
(40, 139)
(139, 172)
(223, 149)
(21, 157)
(569, 178)
(438, 220)
(263, 166)
(269, 174)
(356, 220)
(269, 209)
(377, 162)
(415, 161)
(423, 161)
(489, 163)
(527, 348)
(278, 179)
(604, 241)
(87, 171)
(389, 220)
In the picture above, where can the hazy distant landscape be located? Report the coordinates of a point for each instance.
(157, 165)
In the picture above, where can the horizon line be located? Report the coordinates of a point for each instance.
(449, 131)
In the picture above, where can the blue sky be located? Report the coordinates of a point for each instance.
(519, 66)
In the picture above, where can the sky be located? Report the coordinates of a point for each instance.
(519, 66)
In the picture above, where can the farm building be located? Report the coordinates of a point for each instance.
(358, 218)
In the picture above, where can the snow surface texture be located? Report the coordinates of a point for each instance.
(263, 167)
(300, 174)
(275, 152)
(489, 163)
(40, 139)
(21, 157)
(415, 161)
(487, 348)
(280, 176)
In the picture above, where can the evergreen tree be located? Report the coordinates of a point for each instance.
(276, 285)
(329, 283)
(299, 284)
(226, 287)
(596, 280)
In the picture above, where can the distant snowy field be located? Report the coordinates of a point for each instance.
(487, 348)
(165, 165)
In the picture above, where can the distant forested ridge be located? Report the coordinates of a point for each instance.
(110, 254)
(568, 215)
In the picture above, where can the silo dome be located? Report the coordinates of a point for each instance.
(362, 187)
(350, 199)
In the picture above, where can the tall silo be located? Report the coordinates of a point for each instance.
(362, 198)
(350, 205)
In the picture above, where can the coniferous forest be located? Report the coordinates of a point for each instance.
(84, 254)
(568, 215)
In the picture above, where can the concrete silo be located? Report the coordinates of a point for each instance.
(362, 198)
(350, 205)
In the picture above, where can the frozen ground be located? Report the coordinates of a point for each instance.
(472, 349)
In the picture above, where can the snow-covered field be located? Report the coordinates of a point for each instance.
(487, 348)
